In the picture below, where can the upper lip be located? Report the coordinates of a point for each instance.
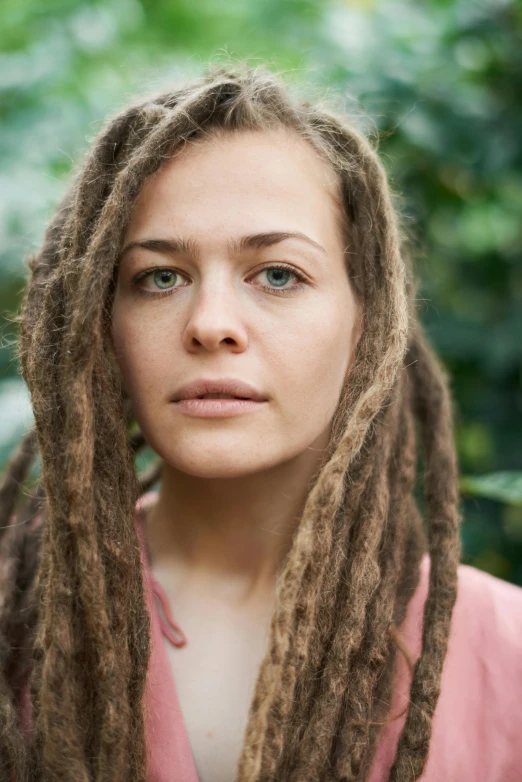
(223, 385)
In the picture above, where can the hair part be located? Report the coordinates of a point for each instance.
(324, 686)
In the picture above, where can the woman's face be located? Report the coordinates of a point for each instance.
(219, 309)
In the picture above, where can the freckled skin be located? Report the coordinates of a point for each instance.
(294, 347)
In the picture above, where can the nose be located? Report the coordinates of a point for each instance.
(215, 318)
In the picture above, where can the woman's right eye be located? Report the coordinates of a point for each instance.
(163, 279)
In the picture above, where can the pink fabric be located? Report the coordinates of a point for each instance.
(478, 720)
(169, 754)
(477, 725)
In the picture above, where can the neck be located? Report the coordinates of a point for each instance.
(230, 534)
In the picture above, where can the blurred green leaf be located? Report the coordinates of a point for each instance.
(503, 486)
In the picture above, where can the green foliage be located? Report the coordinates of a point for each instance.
(502, 486)
(437, 85)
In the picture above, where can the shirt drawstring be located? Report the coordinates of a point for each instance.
(169, 624)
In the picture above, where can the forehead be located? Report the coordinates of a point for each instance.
(230, 177)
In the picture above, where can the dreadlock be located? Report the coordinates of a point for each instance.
(325, 683)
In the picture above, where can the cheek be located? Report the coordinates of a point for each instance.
(140, 352)
(312, 361)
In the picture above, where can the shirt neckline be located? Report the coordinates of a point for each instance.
(174, 754)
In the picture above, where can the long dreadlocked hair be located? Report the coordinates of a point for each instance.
(73, 616)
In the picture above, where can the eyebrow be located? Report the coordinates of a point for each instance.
(177, 246)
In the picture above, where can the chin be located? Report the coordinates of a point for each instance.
(231, 458)
(211, 467)
(224, 455)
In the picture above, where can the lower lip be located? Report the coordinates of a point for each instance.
(217, 408)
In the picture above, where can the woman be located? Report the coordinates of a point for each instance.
(228, 239)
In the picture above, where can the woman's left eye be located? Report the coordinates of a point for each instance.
(277, 275)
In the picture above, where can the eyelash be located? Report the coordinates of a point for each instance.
(160, 294)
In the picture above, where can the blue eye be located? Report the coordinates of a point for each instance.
(162, 277)
(164, 280)
(279, 276)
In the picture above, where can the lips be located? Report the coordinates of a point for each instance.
(236, 388)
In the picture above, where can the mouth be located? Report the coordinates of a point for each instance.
(222, 397)
(217, 405)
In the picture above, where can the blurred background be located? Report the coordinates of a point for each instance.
(437, 84)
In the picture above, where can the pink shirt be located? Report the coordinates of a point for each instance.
(477, 727)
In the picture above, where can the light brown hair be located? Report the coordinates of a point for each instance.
(73, 615)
